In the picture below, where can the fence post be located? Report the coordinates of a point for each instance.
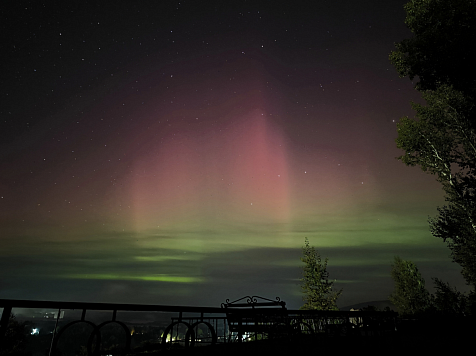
(7, 310)
(54, 332)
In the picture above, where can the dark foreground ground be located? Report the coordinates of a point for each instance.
(424, 338)
(335, 346)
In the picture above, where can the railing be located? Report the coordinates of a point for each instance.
(194, 326)
(185, 337)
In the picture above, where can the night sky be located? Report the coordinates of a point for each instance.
(179, 152)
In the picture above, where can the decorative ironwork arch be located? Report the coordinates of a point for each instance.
(252, 301)
(170, 328)
(190, 336)
(124, 327)
(95, 332)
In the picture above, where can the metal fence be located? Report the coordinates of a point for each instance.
(196, 326)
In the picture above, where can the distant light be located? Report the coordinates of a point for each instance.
(35, 331)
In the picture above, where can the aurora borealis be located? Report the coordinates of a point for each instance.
(180, 153)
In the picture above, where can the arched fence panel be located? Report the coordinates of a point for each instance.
(94, 335)
(180, 337)
(191, 336)
(127, 332)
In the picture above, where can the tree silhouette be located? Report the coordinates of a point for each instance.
(15, 340)
(442, 137)
(410, 295)
(448, 300)
(440, 50)
(315, 284)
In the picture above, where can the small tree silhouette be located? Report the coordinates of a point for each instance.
(410, 295)
(315, 284)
